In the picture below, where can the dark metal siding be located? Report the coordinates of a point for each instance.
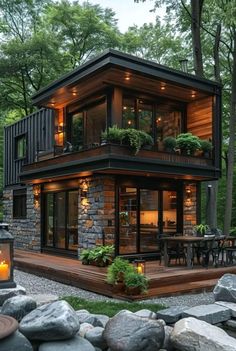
(39, 132)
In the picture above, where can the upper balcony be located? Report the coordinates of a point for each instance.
(122, 90)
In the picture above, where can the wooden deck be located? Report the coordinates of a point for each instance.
(163, 281)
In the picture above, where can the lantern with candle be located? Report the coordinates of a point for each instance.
(6, 258)
(140, 266)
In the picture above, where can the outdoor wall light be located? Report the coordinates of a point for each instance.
(6, 258)
(140, 266)
(188, 196)
(36, 192)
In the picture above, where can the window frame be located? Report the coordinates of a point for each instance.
(19, 204)
(18, 138)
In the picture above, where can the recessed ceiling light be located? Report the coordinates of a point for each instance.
(74, 93)
(127, 77)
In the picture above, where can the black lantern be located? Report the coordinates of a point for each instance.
(6, 258)
(140, 266)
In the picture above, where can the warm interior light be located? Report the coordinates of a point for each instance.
(74, 93)
(163, 87)
(124, 107)
(129, 122)
(193, 94)
(127, 77)
(52, 103)
(158, 120)
(4, 270)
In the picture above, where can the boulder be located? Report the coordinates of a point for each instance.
(55, 321)
(11, 292)
(167, 342)
(129, 332)
(74, 344)
(146, 314)
(225, 289)
(95, 337)
(230, 305)
(212, 313)
(191, 334)
(15, 342)
(18, 306)
(172, 314)
(86, 317)
(84, 328)
(103, 319)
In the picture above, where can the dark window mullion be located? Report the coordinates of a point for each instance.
(160, 211)
(66, 220)
(138, 221)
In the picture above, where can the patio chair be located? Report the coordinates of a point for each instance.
(177, 252)
(209, 249)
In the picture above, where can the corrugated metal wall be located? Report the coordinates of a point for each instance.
(39, 131)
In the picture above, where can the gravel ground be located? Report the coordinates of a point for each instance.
(38, 285)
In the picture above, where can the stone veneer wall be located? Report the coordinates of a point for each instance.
(25, 231)
(96, 220)
(190, 209)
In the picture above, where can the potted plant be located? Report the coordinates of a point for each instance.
(84, 256)
(102, 255)
(135, 283)
(187, 143)
(206, 147)
(99, 256)
(116, 273)
(169, 144)
(146, 140)
(112, 135)
(201, 229)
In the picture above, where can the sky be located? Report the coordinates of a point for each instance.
(128, 12)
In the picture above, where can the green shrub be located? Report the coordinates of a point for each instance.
(188, 143)
(100, 255)
(117, 270)
(206, 146)
(132, 137)
(136, 280)
(169, 143)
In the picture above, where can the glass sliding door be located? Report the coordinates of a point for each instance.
(149, 219)
(169, 212)
(49, 220)
(61, 220)
(72, 220)
(128, 220)
(144, 215)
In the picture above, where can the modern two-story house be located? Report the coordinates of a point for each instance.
(67, 189)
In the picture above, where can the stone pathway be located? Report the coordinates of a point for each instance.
(38, 285)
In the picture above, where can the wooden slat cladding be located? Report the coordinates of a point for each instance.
(38, 130)
(200, 118)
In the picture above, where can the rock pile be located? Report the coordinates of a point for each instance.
(56, 326)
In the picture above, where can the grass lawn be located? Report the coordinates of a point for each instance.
(109, 308)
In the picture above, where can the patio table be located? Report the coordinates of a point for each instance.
(188, 241)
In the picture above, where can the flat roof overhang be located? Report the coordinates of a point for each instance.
(112, 68)
(120, 164)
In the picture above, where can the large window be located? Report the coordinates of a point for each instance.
(20, 146)
(19, 203)
(157, 118)
(87, 125)
(61, 220)
(144, 215)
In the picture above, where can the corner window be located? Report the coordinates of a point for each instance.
(19, 203)
(20, 151)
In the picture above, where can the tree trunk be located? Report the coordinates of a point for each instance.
(212, 187)
(231, 148)
(196, 11)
